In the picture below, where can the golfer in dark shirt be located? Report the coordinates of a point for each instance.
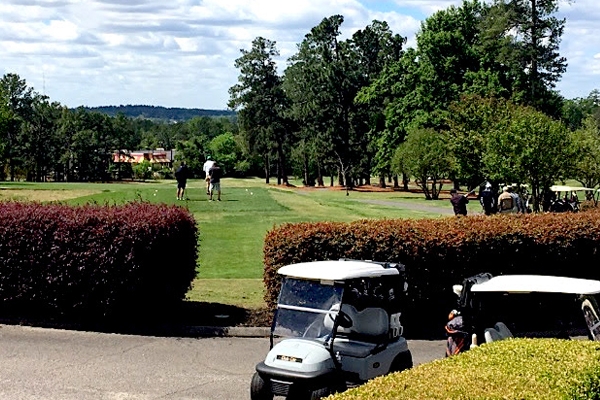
(215, 181)
(459, 203)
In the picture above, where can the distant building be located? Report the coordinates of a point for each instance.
(158, 156)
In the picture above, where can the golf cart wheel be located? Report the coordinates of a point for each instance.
(259, 389)
(401, 362)
(319, 393)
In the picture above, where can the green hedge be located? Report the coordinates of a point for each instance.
(94, 261)
(441, 252)
(510, 369)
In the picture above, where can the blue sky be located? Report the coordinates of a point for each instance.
(181, 53)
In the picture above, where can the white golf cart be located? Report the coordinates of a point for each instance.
(488, 305)
(566, 199)
(337, 325)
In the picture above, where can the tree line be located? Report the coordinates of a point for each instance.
(474, 99)
(43, 140)
(173, 114)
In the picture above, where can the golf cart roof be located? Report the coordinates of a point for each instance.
(337, 270)
(562, 188)
(537, 283)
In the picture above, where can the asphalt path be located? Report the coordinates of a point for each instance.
(52, 364)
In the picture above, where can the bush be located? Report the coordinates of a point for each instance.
(509, 369)
(441, 252)
(92, 261)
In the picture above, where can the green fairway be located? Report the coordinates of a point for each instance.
(232, 230)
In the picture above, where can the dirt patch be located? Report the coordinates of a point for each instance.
(411, 206)
(42, 195)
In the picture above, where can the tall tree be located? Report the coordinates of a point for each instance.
(420, 87)
(38, 140)
(531, 148)
(260, 100)
(470, 121)
(373, 49)
(426, 156)
(576, 111)
(16, 99)
(524, 36)
(586, 141)
(322, 81)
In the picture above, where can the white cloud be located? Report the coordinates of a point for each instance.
(181, 53)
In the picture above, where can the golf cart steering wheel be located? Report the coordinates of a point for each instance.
(344, 319)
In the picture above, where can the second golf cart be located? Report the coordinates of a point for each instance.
(495, 307)
(337, 325)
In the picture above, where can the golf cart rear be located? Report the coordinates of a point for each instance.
(494, 307)
(337, 325)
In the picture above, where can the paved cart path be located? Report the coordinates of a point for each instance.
(53, 364)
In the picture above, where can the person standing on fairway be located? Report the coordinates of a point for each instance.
(459, 203)
(215, 181)
(181, 175)
(207, 166)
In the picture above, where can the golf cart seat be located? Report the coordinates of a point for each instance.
(499, 332)
(368, 328)
(370, 322)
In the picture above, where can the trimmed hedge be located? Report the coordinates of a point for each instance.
(93, 261)
(441, 252)
(509, 369)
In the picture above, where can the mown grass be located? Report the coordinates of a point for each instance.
(232, 231)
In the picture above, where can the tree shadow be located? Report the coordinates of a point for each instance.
(185, 319)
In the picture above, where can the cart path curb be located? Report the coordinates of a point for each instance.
(230, 331)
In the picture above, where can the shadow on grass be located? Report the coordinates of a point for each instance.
(186, 319)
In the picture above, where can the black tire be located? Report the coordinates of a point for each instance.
(319, 393)
(401, 362)
(259, 388)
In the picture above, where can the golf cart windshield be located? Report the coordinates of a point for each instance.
(303, 306)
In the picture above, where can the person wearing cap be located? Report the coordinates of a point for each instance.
(488, 200)
(459, 202)
(206, 168)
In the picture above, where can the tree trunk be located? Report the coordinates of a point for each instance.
(306, 178)
(382, 182)
(405, 181)
(282, 178)
(278, 172)
(267, 167)
(396, 185)
(320, 175)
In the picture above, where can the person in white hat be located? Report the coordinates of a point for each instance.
(206, 168)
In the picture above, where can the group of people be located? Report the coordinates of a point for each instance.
(508, 202)
(212, 174)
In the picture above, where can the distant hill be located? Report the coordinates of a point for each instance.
(160, 113)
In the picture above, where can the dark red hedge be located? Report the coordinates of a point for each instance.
(441, 252)
(91, 261)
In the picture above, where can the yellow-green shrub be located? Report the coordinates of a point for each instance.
(510, 369)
